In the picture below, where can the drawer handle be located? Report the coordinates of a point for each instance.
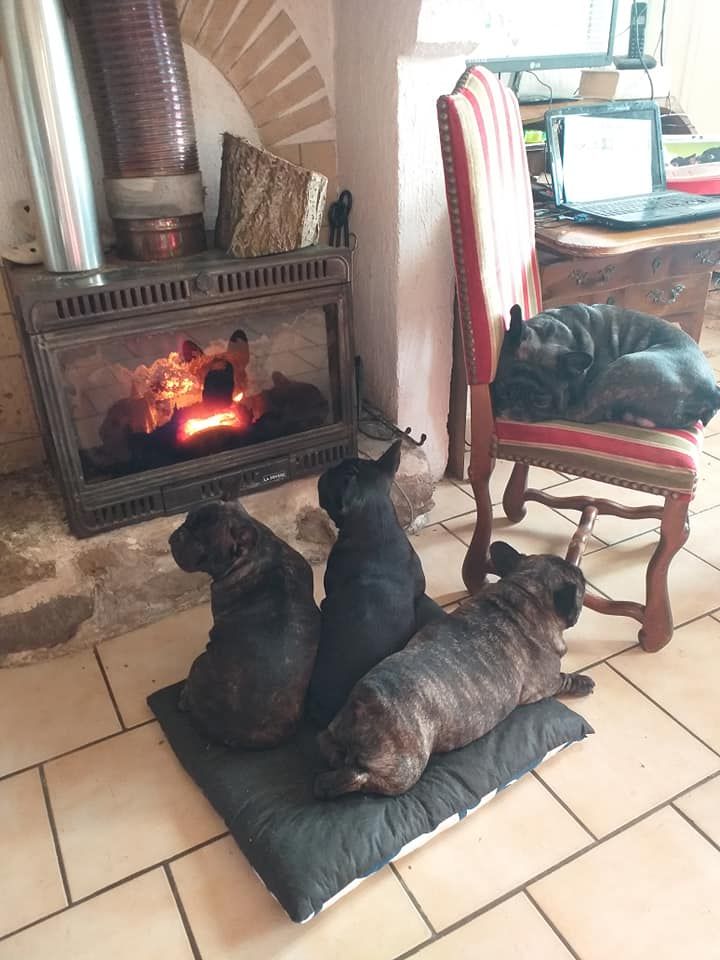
(711, 258)
(584, 279)
(659, 296)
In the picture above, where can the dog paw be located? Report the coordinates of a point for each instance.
(575, 685)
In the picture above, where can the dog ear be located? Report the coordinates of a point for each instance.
(244, 537)
(516, 330)
(390, 460)
(575, 363)
(504, 558)
(568, 601)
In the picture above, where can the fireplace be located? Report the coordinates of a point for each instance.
(162, 386)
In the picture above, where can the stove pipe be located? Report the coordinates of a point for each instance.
(138, 81)
(40, 73)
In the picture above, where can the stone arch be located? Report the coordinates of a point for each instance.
(257, 47)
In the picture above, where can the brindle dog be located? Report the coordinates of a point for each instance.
(457, 678)
(248, 688)
(592, 363)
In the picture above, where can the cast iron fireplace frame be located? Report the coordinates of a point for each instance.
(57, 311)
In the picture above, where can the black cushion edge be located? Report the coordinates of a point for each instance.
(265, 798)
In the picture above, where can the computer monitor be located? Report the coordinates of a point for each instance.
(525, 35)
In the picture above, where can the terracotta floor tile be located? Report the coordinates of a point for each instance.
(683, 677)
(123, 805)
(539, 478)
(318, 570)
(30, 882)
(541, 531)
(607, 528)
(637, 758)
(442, 558)
(514, 930)
(232, 914)
(450, 501)
(707, 493)
(52, 707)
(148, 659)
(596, 637)
(702, 805)
(649, 892)
(493, 850)
(704, 539)
(619, 572)
(138, 920)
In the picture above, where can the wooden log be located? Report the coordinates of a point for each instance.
(267, 204)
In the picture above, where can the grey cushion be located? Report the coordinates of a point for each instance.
(308, 851)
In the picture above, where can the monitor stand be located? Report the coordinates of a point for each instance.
(529, 98)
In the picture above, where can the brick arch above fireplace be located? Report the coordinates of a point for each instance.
(258, 48)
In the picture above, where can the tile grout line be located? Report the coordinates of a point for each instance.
(696, 827)
(116, 883)
(562, 803)
(413, 899)
(183, 914)
(55, 836)
(105, 677)
(663, 709)
(82, 746)
(555, 929)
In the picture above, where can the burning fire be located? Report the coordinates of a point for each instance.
(226, 418)
(238, 397)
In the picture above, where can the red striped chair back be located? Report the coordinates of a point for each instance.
(491, 214)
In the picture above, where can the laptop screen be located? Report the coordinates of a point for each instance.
(605, 152)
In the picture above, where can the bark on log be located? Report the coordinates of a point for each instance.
(267, 204)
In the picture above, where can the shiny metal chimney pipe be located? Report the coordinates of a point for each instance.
(37, 58)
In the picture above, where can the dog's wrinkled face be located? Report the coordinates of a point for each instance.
(213, 538)
(561, 581)
(353, 483)
(539, 372)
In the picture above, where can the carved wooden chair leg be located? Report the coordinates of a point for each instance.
(514, 496)
(657, 628)
(477, 560)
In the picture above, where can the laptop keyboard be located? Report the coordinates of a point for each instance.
(660, 201)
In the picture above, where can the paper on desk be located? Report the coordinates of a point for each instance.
(606, 157)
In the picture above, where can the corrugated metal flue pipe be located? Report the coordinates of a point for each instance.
(139, 86)
(40, 72)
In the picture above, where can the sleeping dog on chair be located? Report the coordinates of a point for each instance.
(593, 363)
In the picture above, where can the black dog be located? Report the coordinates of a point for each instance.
(248, 688)
(374, 584)
(457, 678)
(592, 363)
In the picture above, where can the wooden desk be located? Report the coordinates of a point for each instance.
(665, 271)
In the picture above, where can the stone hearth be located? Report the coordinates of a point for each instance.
(59, 594)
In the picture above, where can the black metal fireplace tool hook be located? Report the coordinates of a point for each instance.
(368, 414)
(339, 220)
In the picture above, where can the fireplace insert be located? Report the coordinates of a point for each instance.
(162, 386)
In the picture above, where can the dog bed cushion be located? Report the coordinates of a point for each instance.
(309, 852)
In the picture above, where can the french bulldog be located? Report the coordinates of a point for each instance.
(374, 583)
(592, 363)
(248, 688)
(457, 678)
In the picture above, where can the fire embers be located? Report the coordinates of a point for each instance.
(190, 404)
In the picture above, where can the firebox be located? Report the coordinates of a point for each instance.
(159, 387)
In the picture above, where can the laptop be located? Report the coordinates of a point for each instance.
(606, 162)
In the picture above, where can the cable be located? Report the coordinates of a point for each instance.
(542, 83)
(640, 52)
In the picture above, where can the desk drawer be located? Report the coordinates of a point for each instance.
(567, 281)
(663, 298)
(695, 258)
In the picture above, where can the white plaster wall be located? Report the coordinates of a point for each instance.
(216, 108)
(691, 44)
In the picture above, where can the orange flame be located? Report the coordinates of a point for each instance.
(238, 397)
(226, 418)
